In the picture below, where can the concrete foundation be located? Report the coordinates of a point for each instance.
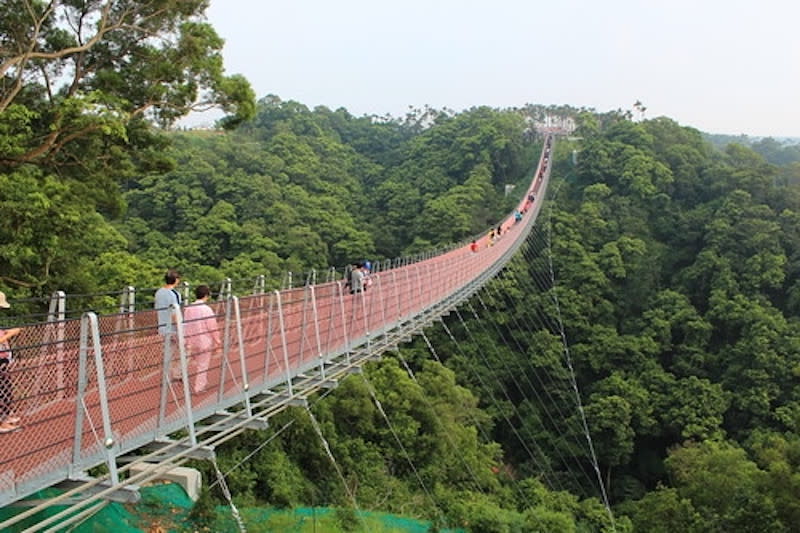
(188, 478)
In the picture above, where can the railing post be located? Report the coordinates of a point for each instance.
(184, 290)
(57, 314)
(379, 287)
(347, 347)
(89, 325)
(397, 293)
(242, 362)
(419, 285)
(315, 313)
(260, 284)
(127, 301)
(80, 403)
(58, 307)
(284, 343)
(168, 339)
(268, 340)
(127, 308)
(225, 290)
(226, 348)
(187, 395)
(362, 297)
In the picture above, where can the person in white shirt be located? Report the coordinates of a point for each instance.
(164, 298)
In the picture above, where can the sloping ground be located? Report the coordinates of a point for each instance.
(165, 508)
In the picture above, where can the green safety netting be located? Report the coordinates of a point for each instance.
(167, 504)
(166, 508)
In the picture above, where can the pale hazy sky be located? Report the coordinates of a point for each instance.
(729, 66)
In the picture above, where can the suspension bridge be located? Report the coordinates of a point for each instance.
(97, 390)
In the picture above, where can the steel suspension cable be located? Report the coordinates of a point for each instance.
(557, 330)
(524, 317)
(530, 327)
(563, 460)
(435, 354)
(451, 442)
(224, 486)
(422, 484)
(520, 348)
(540, 280)
(505, 391)
(272, 437)
(574, 381)
(496, 403)
(328, 451)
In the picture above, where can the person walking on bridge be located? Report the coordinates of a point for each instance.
(201, 331)
(8, 421)
(356, 278)
(165, 297)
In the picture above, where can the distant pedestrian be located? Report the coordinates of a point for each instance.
(474, 246)
(202, 335)
(355, 280)
(8, 420)
(366, 278)
(165, 297)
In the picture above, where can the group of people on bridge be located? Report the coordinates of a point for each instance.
(200, 328)
(358, 279)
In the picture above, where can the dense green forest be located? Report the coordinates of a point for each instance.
(660, 285)
(676, 268)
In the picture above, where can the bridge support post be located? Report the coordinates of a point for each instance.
(260, 284)
(284, 343)
(187, 395)
(347, 347)
(59, 315)
(239, 335)
(315, 314)
(268, 351)
(90, 327)
(226, 349)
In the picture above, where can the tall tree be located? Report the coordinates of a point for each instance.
(81, 85)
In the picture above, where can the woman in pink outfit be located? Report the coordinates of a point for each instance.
(202, 335)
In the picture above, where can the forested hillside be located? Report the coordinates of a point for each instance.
(676, 268)
(680, 265)
(297, 189)
(677, 282)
